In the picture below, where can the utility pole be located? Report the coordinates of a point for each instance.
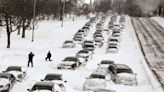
(63, 12)
(34, 10)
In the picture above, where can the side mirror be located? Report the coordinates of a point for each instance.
(41, 80)
(65, 81)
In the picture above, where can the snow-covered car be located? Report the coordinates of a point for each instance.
(85, 54)
(56, 79)
(17, 71)
(69, 63)
(112, 49)
(87, 42)
(99, 26)
(98, 43)
(122, 74)
(104, 90)
(7, 81)
(97, 80)
(98, 37)
(69, 44)
(78, 40)
(89, 47)
(45, 87)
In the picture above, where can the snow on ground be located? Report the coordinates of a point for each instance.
(50, 36)
(159, 20)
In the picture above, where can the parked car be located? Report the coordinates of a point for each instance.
(85, 54)
(98, 43)
(17, 71)
(112, 49)
(88, 42)
(122, 74)
(56, 79)
(89, 47)
(7, 81)
(45, 87)
(70, 63)
(78, 40)
(97, 80)
(69, 44)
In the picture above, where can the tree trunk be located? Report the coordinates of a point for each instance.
(18, 32)
(23, 30)
(8, 39)
(8, 32)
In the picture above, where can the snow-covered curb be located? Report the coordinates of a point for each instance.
(153, 79)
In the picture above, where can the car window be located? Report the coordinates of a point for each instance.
(42, 87)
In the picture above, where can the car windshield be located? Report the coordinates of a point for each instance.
(89, 46)
(13, 69)
(97, 76)
(68, 42)
(53, 77)
(107, 62)
(83, 51)
(42, 87)
(70, 59)
(124, 71)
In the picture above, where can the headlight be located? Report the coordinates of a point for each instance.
(20, 76)
(6, 87)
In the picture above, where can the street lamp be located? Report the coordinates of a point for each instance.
(34, 10)
(63, 10)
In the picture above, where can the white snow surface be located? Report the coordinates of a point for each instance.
(50, 36)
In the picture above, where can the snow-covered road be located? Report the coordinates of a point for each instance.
(50, 36)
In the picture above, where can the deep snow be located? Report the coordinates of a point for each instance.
(50, 36)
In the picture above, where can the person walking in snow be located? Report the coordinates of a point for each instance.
(48, 56)
(30, 59)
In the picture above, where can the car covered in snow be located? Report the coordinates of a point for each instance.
(17, 71)
(69, 44)
(45, 87)
(89, 47)
(70, 63)
(112, 49)
(56, 79)
(78, 40)
(98, 43)
(85, 54)
(97, 80)
(122, 74)
(88, 42)
(7, 81)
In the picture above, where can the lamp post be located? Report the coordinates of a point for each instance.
(63, 11)
(33, 22)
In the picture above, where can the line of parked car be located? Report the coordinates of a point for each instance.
(108, 73)
(82, 56)
(115, 38)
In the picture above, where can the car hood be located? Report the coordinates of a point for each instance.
(4, 81)
(95, 82)
(67, 63)
(126, 75)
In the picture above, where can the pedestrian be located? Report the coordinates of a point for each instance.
(48, 56)
(30, 59)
